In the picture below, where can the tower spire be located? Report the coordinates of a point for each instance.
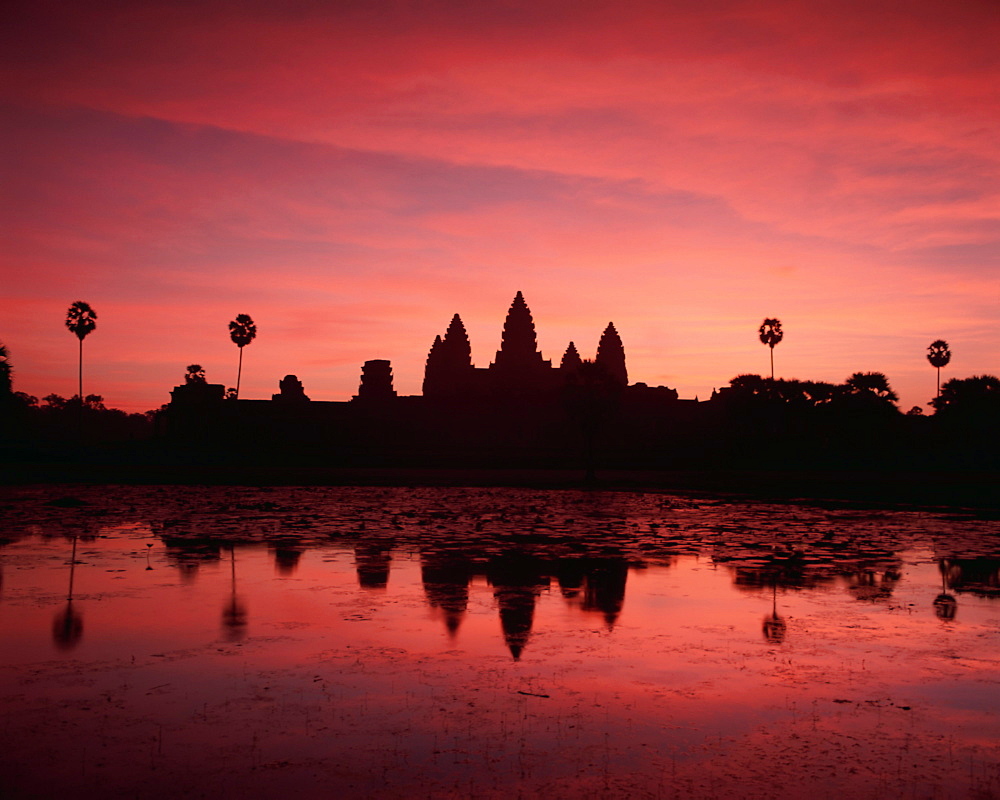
(456, 345)
(518, 346)
(432, 370)
(611, 355)
(571, 359)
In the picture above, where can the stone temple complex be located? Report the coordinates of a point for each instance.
(520, 408)
(519, 368)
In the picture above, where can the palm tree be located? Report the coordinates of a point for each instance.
(770, 334)
(939, 355)
(242, 331)
(81, 320)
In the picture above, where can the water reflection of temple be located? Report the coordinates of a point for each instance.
(372, 563)
(593, 583)
(446, 579)
(188, 555)
(518, 578)
(286, 554)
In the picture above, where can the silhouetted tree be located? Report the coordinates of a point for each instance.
(748, 384)
(195, 374)
(874, 383)
(975, 399)
(81, 320)
(939, 355)
(770, 334)
(54, 401)
(242, 331)
(26, 400)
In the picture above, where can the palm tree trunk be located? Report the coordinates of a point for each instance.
(939, 382)
(239, 373)
(79, 408)
(772, 362)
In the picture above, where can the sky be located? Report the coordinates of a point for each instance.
(352, 174)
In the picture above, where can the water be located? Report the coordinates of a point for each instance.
(487, 643)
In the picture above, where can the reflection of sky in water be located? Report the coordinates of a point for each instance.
(387, 657)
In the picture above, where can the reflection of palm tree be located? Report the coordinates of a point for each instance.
(774, 625)
(67, 627)
(234, 612)
(945, 605)
(770, 334)
(81, 320)
(939, 355)
(242, 331)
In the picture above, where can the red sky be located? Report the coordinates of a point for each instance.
(351, 174)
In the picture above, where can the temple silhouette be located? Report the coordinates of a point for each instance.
(524, 411)
(521, 408)
(519, 369)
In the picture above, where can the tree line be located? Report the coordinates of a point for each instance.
(862, 394)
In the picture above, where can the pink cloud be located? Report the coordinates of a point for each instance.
(354, 177)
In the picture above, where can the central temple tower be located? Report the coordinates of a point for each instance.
(518, 354)
(518, 369)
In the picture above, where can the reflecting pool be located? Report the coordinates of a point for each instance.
(414, 642)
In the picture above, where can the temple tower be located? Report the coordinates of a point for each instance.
(519, 368)
(449, 362)
(456, 347)
(290, 390)
(376, 381)
(434, 369)
(611, 355)
(571, 360)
